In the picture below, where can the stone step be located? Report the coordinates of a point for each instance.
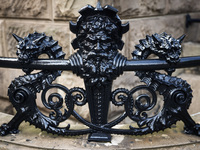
(34, 139)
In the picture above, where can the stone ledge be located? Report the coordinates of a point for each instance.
(39, 9)
(68, 10)
(130, 9)
(32, 138)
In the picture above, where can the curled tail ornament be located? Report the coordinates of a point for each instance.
(22, 90)
(177, 93)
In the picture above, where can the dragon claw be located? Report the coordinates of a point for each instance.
(195, 130)
(6, 129)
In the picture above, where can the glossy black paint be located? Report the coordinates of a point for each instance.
(190, 20)
(97, 60)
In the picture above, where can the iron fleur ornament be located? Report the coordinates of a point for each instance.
(98, 61)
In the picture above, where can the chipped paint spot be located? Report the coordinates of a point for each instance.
(115, 140)
(138, 140)
(165, 136)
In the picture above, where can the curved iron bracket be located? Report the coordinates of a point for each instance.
(190, 20)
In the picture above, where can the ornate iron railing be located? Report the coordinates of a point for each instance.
(97, 60)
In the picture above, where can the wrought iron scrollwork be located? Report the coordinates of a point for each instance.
(97, 60)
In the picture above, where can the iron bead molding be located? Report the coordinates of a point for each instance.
(97, 60)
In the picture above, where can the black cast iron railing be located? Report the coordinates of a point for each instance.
(97, 60)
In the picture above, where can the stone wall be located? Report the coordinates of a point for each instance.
(52, 17)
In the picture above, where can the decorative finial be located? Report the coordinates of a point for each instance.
(99, 7)
(108, 12)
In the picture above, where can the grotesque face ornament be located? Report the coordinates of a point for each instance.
(99, 36)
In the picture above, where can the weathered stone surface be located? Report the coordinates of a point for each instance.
(128, 80)
(59, 32)
(25, 9)
(1, 38)
(130, 9)
(6, 76)
(34, 139)
(137, 8)
(193, 31)
(180, 6)
(191, 49)
(68, 9)
(139, 28)
(6, 106)
(106, 2)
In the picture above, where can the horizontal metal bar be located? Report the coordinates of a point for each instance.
(157, 64)
(131, 65)
(40, 64)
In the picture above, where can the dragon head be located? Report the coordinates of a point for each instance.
(27, 48)
(167, 47)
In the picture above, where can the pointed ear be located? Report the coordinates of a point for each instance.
(125, 27)
(73, 27)
(17, 38)
(180, 39)
(99, 7)
(120, 45)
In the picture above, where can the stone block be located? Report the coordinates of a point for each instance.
(139, 28)
(70, 80)
(180, 6)
(6, 106)
(137, 8)
(58, 31)
(68, 9)
(26, 9)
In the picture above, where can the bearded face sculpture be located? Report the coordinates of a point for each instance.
(98, 40)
